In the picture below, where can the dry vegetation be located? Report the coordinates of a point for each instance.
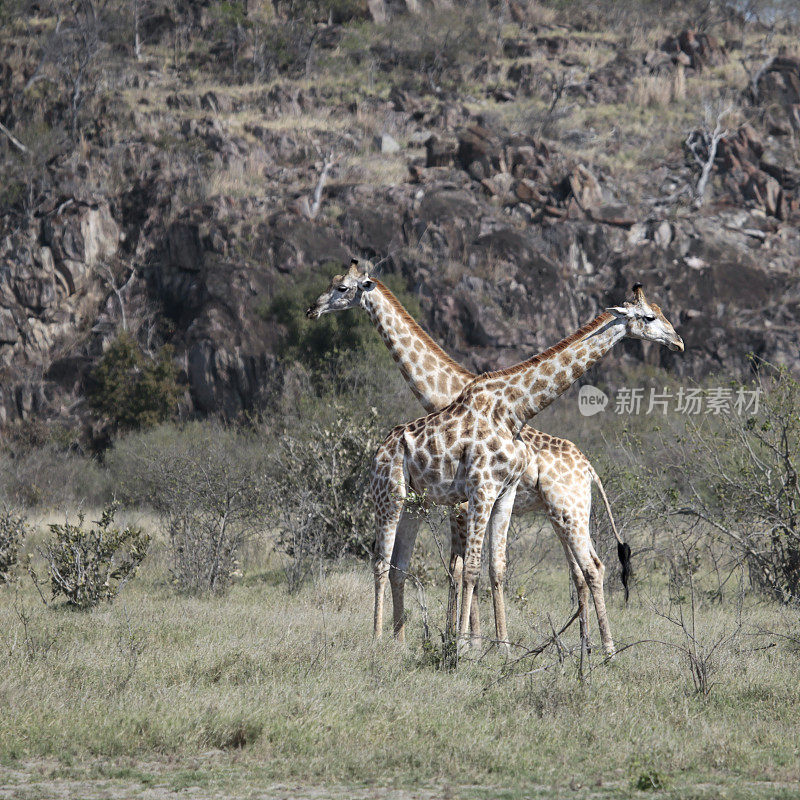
(262, 688)
(277, 681)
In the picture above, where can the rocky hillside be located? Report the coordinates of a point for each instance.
(170, 166)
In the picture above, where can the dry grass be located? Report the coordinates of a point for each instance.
(239, 178)
(376, 169)
(659, 90)
(260, 687)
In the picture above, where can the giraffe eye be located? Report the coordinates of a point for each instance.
(649, 318)
(342, 287)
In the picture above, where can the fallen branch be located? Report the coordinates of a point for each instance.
(13, 139)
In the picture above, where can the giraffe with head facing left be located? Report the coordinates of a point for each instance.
(557, 479)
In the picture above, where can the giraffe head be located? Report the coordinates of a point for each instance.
(344, 291)
(646, 321)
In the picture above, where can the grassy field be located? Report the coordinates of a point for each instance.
(265, 694)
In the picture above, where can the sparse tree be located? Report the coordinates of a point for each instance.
(702, 144)
(749, 494)
(319, 494)
(208, 484)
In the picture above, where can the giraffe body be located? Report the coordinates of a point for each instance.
(557, 477)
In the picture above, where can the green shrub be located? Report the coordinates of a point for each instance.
(89, 565)
(12, 532)
(131, 390)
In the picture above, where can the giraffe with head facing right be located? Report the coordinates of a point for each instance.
(558, 477)
(471, 450)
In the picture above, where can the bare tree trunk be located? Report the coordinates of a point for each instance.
(712, 140)
(327, 166)
(137, 42)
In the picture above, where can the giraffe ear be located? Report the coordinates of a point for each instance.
(366, 283)
(353, 271)
(620, 312)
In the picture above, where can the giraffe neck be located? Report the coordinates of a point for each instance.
(527, 388)
(434, 378)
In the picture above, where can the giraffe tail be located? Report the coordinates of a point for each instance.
(623, 549)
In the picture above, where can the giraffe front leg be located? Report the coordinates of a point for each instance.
(480, 510)
(401, 560)
(498, 535)
(458, 543)
(388, 508)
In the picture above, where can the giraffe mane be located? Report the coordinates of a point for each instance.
(419, 331)
(581, 333)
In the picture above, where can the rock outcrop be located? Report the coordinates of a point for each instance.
(510, 238)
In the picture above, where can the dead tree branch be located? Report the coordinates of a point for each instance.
(702, 144)
(328, 164)
(13, 139)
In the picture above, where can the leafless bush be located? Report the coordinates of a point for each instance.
(48, 474)
(69, 54)
(439, 46)
(319, 493)
(744, 481)
(37, 639)
(703, 651)
(208, 483)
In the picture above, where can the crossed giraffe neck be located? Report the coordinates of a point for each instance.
(436, 380)
(434, 377)
(527, 388)
(520, 392)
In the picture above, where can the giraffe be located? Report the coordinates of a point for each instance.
(471, 451)
(558, 479)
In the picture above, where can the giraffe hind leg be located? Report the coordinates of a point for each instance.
(581, 589)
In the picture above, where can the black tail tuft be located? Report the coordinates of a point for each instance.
(624, 553)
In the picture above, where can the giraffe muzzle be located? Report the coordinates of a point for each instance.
(677, 345)
(312, 312)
